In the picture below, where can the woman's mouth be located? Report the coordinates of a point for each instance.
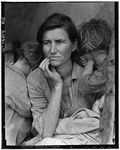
(54, 57)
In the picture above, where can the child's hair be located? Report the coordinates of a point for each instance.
(95, 34)
(32, 53)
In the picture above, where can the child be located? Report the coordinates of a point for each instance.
(95, 36)
(18, 116)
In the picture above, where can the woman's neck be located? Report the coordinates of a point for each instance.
(65, 70)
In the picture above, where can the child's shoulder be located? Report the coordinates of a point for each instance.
(104, 65)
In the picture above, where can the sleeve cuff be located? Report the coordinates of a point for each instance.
(39, 125)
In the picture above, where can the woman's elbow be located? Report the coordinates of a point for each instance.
(47, 134)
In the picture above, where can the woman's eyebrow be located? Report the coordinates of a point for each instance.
(46, 40)
(60, 40)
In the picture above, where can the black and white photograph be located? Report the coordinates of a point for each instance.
(59, 63)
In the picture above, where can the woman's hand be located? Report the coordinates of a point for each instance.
(52, 74)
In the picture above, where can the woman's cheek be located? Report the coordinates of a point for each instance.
(46, 52)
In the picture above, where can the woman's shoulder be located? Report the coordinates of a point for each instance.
(77, 69)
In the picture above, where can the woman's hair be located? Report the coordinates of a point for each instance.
(95, 34)
(32, 53)
(58, 20)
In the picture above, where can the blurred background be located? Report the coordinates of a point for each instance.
(22, 19)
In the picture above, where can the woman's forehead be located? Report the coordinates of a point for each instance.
(58, 33)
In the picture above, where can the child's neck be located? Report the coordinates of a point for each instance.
(20, 64)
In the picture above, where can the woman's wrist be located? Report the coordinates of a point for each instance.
(58, 86)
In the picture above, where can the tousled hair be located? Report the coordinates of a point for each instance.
(32, 53)
(94, 35)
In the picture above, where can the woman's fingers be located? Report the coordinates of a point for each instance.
(53, 70)
(42, 64)
(52, 75)
(46, 69)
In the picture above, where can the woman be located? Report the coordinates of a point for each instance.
(18, 116)
(54, 88)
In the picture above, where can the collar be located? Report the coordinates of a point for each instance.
(13, 68)
(76, 71)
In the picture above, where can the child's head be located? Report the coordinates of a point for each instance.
(95, 35)
(32, 53)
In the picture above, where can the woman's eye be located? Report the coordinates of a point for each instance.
(60, 41)
(46, 42)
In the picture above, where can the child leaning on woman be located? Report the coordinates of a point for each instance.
(95, 36)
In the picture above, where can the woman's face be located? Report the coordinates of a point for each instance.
(57, 46)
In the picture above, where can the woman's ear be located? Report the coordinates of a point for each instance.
(75, 44)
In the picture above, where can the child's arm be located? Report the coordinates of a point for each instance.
(13, 122)
(88, 69)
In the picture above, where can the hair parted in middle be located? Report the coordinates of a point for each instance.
(95, 34)
(59, 20)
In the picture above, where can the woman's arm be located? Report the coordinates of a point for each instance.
(51, 114)
(45, 114)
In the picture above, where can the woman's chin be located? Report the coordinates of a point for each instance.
(54, 63)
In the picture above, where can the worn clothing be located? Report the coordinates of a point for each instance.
(82, 128)
(95, 82)
(82, 121)
(17, 103)
(40, 90)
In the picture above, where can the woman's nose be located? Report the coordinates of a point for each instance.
(53, 48)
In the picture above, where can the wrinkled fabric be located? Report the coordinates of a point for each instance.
(39, 125)
(40, 90)
(84, 120)
(95, 82)
(82, 128)
(17, 104)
